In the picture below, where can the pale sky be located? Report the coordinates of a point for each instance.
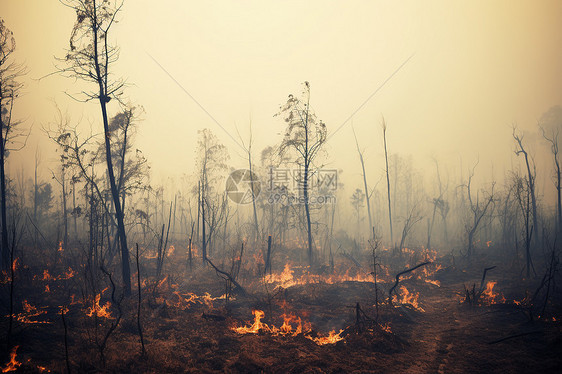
(477, 68)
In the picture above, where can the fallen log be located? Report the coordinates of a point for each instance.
(239, 288)
(515, 336)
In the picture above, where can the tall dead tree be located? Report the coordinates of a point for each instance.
(387, 181)
(9, 90)
(552, 139)
(248, 150)
(523, 194)
(91, 58)
(306, 135)
(441, 206)
(531, 177)
(410, 220)
(211, 158)
(367, 194)
(478, 210)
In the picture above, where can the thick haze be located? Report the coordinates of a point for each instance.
(477, 68)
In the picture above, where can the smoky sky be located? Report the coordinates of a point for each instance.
(476, 69)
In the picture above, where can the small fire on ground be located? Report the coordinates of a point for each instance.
(292, 326)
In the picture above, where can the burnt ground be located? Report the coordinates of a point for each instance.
(448, 336)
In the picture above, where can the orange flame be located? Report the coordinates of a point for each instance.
(287, 278)
(490, 297)
(12, 365)
(286, 328)
(256, 326)
(48, 277)
(386, 327)
(408, 298)
(100, 311)
(15, 264)
(434, 282)
(171, 250)
(185, 300)
(332, 338)
(60, 247)
(29, 312)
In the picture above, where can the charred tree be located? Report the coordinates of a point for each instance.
(387, 182)
(478, 210)
(531, 175)
(91, 58)
(306, 135)
(10, 86)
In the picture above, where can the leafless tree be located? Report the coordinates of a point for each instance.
(91, 58)
(212, 157)
(531, 177)
(478, 210)
(10, 86)
(367, 193)
(387, 181)
(413, 217)
(552, 139)
(523, 194)
(357, 202)
(306, 135)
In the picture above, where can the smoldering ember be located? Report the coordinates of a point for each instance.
(280, 187)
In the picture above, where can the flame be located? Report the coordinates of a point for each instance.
(70, 273)
(489, 243)
(13, 365)
(29, 312)
(47, 288)
(332, 338)
(408, 298)
(285, 278)
(171, 250)
(162, 282)
(386, 327)
(43, 369)
(258, 258)
(15, 264)
(288, 279)
(490, 297)
(48, 277)
(286, 329)
(256, 326)
(60, 247)
(434, 282)
(100, 311)
(185, 300)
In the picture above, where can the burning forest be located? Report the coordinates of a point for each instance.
(148, 225)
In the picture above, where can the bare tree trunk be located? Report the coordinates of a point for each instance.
(531, 181)
(387, 182)
(204, 239)
(307, 212)
(367, 195)
(5, 253)
(253, 194)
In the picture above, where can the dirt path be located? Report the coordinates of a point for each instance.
(434, 334)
